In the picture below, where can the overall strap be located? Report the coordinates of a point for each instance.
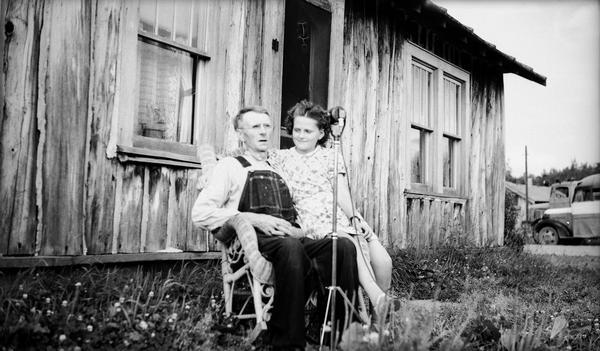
(243, 161)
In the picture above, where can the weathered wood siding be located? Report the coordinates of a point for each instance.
(374, 91)
(65, 87)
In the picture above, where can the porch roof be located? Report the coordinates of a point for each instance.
(506, 63)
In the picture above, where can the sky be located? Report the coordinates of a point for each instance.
(560, 40)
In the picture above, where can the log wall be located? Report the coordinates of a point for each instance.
(66, 80)
(64, 94)
(374, 91)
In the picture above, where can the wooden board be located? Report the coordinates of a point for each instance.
(129, 209)
(19, 45)
(158, 202)
(62, 117)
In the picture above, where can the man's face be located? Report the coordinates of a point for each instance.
(255, 130)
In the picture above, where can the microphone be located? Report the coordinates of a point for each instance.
(337, 119)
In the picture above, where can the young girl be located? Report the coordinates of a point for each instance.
(309, 168)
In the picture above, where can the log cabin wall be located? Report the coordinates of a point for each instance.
(66, 88)
(374, 91)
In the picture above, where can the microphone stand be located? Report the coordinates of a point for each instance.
(331, 327)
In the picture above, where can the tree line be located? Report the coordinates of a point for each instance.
(575, 171)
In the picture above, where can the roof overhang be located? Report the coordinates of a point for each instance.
(433, 13)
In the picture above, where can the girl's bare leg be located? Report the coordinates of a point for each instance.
(366, 276)
(382, 264)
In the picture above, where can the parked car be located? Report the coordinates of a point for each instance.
(574, 212)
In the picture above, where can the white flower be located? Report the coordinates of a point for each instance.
(65, 303)
(373, 338)
(25, 296)
(62, 337)
(152, 335)
(126, 342)
(174, 316)
(79, 317)
(170, 320)
(20, 287)
(118, 309)
(143, 325)
(49, 313)
(117, 304)
(167, 296)
(32, 310)
(121, 299)
(47, 300)
(90, 328)
(151, 294)
(187, 307)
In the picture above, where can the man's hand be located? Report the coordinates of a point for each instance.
(362, 226)
(270, 225)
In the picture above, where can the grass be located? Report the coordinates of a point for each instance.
(478, 299)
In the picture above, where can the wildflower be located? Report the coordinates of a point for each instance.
(20, 287)
(187, 307)
(47, 300)
(117, 304)
(118, 309)
(64, 303)
(174, 316)
(151, 294)
(167, 296)
(170, 320)
(78, 284)
(90, 328)
(373, 337)
(125, 342)
(143, 325)
(152, 335)
(126, 287)
(32, 310)
(49, 313)
(17, 304)
(77, 348)
(79, 317)
(25, 296)
(62, 337)
(121, 299)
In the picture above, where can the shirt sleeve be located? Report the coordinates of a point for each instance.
(210, 210)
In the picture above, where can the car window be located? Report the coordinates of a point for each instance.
(585, 194)
(560, 193)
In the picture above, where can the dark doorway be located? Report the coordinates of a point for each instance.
(305, 58)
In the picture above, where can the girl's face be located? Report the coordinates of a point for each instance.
(306, 134)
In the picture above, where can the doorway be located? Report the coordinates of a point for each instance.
(305, 58)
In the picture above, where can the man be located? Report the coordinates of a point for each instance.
(247, 186)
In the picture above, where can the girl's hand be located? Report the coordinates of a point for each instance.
(363, 227)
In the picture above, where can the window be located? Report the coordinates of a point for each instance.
(438, 107)
(169, 51)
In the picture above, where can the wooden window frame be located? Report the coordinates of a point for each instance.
(132, 147)
(441, 69)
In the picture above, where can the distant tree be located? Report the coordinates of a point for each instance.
(574, 171)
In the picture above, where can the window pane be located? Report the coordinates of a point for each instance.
(165, 92)
(147, 16)
(421, 100)
(183, 16)
(449, 162)
(165, 18)
(451, 106)
(417, 142)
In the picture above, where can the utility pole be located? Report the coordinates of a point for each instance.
(526, 189)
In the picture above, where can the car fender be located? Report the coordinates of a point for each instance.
(563, 230)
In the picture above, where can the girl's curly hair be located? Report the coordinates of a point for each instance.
(309, 109)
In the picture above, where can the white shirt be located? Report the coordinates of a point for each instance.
(220, 199)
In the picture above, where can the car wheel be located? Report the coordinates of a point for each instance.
(548, 235)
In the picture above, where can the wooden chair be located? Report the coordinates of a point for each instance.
(233, 269)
